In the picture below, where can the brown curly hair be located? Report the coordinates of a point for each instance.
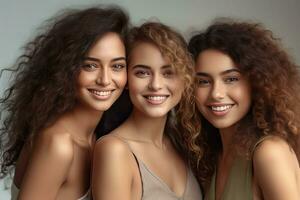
(275, 82)
(44, 85)
(181, 121)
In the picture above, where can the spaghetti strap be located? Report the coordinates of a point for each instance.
(138, 164)
(136, 159)
(260, 141)
(153, 187)
(124, 140)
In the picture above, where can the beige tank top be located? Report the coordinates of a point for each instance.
(154, 188)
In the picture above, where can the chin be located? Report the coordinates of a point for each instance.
(221, 125)
(101, 108)
(155, 114)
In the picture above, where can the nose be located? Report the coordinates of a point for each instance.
(156, 82)
(218, 91)
(104, 77)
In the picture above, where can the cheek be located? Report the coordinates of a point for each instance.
(201, 96)
(136, 85)
(242, 94)
(177, 85)
(247, 98)
(120, 79)
(84, 78)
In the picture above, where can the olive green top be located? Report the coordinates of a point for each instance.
(239, 182)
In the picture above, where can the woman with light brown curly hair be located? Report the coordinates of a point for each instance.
(145, 158)
(247, 94)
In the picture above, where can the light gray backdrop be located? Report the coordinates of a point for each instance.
(19, 20)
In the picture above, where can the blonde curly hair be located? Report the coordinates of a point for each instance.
(181, 121)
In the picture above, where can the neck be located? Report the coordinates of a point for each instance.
(82, 121)
(226, 138)
(147, 129)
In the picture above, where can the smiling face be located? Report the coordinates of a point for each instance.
(223, 93)
(102, 75)
(154, 85)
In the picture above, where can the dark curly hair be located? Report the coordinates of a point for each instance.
(180, 124)
(45, 75)
(275, 83)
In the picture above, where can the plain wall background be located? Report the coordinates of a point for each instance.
(20, 19)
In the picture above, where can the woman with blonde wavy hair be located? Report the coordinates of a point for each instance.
(145, 158)
(248, 100)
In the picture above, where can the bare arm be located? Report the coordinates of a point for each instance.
(47, 169)
(112, 170)
(276, 168)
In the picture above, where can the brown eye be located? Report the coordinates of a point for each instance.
(168, 73)
(202, 82)
(89, 66)
(142, 73)
(118, 67)
(231, 79)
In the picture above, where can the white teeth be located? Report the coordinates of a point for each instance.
(156, 98)
(221, 108)
(101, 93)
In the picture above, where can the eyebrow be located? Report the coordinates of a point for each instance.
(148, 67)
(230, 70)
(98, 60)
(222, 73)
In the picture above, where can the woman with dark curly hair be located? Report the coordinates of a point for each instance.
(248, 100)
(145, 157)
(66, 79)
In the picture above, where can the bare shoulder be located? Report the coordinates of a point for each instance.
(111, 146)
(273, 150)
(113, 169)
(56, 143)
(50, 150)
(112, 150)
(276, 170)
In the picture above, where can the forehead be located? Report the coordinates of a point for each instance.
(213, 61)
(109, 45)
(145, 53)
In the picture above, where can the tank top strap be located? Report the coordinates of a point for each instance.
(125, 142)
(259, 142)
(129, 147)
(135, 157)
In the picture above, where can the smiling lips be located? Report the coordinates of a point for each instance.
(156, 99)
(101, 95)
(220, 110)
